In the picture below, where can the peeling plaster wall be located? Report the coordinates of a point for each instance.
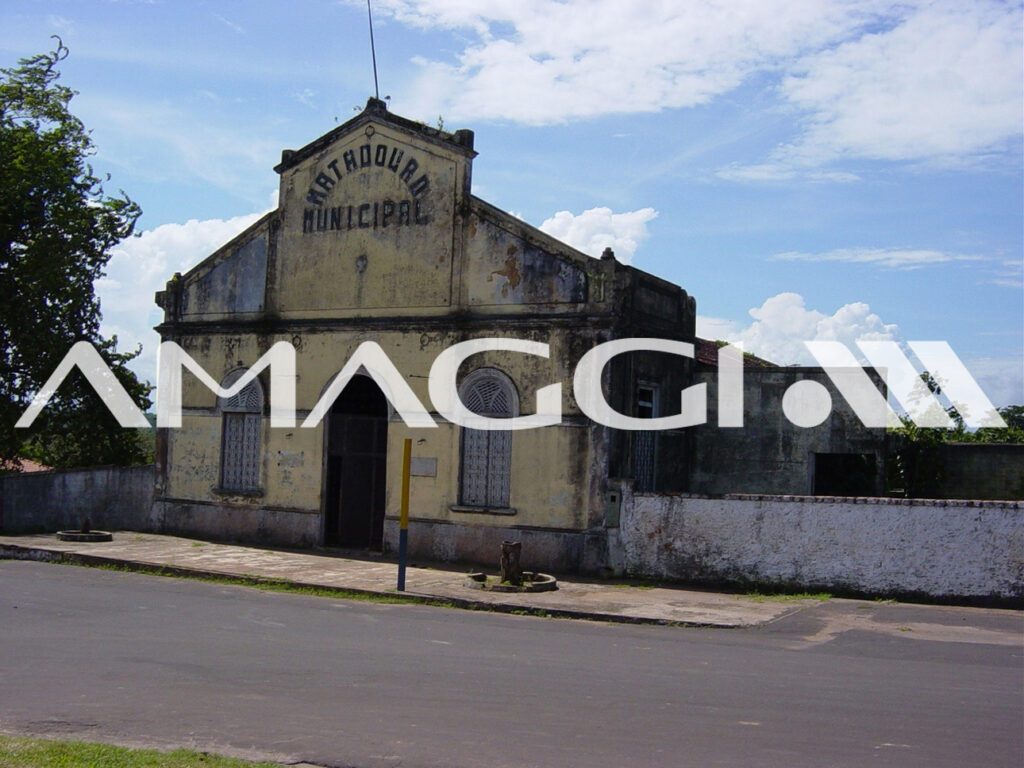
(503, 268)
(232, 284)
(770, 455)
(970, 549)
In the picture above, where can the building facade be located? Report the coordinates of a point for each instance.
(377, 237)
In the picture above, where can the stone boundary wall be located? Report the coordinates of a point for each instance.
(912, 547)
(982, 470)
(113, 498)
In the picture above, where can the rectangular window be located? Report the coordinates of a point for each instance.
(645, 443)
(240, 452)
(645, 402)
(486, 465)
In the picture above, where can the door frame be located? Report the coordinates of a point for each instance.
(325, 457)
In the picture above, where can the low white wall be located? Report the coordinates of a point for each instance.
(112, 498)
(950, 549)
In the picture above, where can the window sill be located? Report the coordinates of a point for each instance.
(466, 510)
(253, 493)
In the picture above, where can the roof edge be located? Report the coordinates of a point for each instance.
(541, 238)
(461, 141)
(234, 242)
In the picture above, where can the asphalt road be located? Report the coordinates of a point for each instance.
(138, 659)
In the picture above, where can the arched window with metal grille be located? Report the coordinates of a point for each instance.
(486, 456)
(241, 421)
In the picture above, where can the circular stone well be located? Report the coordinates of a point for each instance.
(85, 536)
(532, 582)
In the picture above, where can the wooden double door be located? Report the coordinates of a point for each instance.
(356, 490)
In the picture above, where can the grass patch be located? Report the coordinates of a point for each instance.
(32, 753)
(787, 597)
(273, 585)
(634, 586)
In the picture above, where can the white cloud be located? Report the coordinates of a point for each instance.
(943, 83)
(1009, 275)
(140, 266)
(890, 258)
(195, 147)
(783, 323)
(541, 62)
(916, 80)
(782, 172)
(598, 228)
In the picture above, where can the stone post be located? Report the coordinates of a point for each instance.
(511, 570)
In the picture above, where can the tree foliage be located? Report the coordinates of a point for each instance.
(915, 465)
(57, 229)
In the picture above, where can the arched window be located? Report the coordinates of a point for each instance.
(241, 417)
(486, 456)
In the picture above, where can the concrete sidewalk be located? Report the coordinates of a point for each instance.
(575, 598)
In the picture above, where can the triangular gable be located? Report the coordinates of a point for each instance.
(368, 217)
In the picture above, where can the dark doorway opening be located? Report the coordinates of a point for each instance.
(845, 474)
(356, 467)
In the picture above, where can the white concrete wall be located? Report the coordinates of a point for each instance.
(880, 546)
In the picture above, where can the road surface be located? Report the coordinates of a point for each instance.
(139, 659)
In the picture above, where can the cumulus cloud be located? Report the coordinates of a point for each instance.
(890, 258)
(783, 323)
(894, 81)
(541, 62)
(945, 82)
(140, 266)
(598, 228)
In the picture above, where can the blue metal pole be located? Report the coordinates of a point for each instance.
(403, 520)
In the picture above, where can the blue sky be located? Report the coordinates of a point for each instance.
(805, 169)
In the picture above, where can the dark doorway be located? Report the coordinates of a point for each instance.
(356, 467)
(844, 474)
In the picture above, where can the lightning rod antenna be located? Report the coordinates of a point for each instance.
(373, 51)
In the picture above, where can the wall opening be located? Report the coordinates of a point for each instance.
(356, 467)
(844, 474)
(645, 442)
(485, 466)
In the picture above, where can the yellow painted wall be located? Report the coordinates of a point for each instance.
(386, 268)
(549, 481)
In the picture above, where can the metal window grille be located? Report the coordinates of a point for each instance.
(240, 466)
(645, 443)
(240, 438)
(486, 459)
(644, 453)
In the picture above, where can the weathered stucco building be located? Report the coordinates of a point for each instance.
(377, 237)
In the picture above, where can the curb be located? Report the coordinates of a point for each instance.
(39, 554)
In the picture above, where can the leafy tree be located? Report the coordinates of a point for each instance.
(914, 452)
(1013, 415)
(57, 228)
